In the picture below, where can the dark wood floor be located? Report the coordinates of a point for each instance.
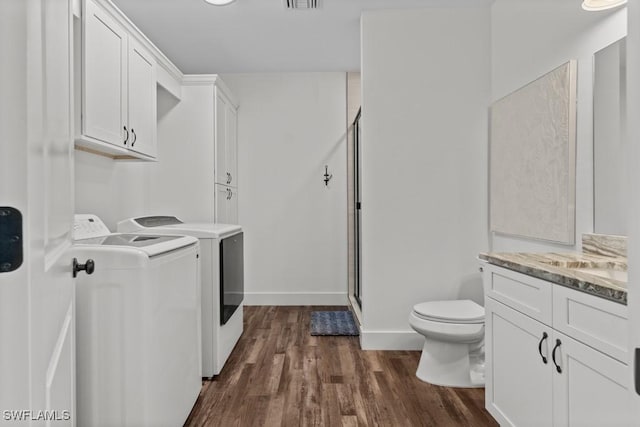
(279, 375)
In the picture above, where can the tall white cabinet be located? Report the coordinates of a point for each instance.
(226, 143)
(554, 356)
(196, 178)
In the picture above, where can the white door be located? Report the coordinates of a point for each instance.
(633, 132)
(588, 381)
(142, 100)
(232, 206)
(104, 91)
(37, 369)
(223, 198)
(222, 172)
(232, 145)
(518, 357)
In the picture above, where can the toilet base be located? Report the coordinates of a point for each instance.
(447, 364)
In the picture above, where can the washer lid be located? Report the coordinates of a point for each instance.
(172, 225)
(151, 245)
(460, 311)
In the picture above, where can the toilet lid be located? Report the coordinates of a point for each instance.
(459, 311)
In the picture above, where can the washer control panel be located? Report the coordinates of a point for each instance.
(87, 226)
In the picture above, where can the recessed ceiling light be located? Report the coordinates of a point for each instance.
(596, 5)
(219, 2)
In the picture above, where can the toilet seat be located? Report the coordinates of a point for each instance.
(456, 311)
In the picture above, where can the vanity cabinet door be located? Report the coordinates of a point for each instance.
(591, 389)
(519, 382)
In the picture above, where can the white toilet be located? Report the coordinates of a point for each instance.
(453, 352)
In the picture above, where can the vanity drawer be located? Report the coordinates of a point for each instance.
(595, 321)
(526, 294)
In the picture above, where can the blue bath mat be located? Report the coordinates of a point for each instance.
(333, 323)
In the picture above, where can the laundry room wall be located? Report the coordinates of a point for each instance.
(290, 125)
(111, 189)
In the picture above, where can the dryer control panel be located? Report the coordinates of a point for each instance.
(87, 226)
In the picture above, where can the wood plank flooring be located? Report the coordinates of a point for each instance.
(280, 375)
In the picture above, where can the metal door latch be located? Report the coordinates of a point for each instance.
(11, 245)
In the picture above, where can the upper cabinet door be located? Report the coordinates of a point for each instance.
(222, 172)
(142, 100)
(104, 90)
(232, 144)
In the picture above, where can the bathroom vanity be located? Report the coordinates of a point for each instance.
(557, 338)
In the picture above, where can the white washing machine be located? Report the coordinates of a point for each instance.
(138, 353)
(222, 272)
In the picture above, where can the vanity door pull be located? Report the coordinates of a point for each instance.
(126, 138)
(544, 337)
(553, 355)
(135, 137)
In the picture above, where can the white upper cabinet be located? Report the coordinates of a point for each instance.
(118, 86)
(232, 146)
(104, 77)
(226, 141)
(142, 100)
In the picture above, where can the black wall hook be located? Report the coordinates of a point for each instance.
(327, 177)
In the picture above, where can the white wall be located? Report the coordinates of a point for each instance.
(289, 126)
(181, 183)
(426, 88)
(113, 190)
(529, 39)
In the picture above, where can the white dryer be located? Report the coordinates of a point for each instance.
(222, 272)
(138, 353)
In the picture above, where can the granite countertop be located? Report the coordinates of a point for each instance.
(565, 269)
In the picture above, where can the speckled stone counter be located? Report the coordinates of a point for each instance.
(564, 269)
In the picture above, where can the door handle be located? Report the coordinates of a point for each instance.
(126, 138)
(553, 355)
(544, 337)
(89, 267)
(134, 137)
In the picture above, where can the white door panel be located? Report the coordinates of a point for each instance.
(589, 380)
(105, 77)
(37, 369)
(517, 358)
(142, 100)
(232, 145)
(222, 176)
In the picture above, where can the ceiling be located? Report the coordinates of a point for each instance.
(260, 35)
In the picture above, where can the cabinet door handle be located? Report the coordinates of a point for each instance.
(126, 138)
(230, 178)
(230, 194)
(134, 137)
(553, 355)
(544, 337)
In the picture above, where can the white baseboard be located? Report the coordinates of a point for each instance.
(391, 340)
(295, 298)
